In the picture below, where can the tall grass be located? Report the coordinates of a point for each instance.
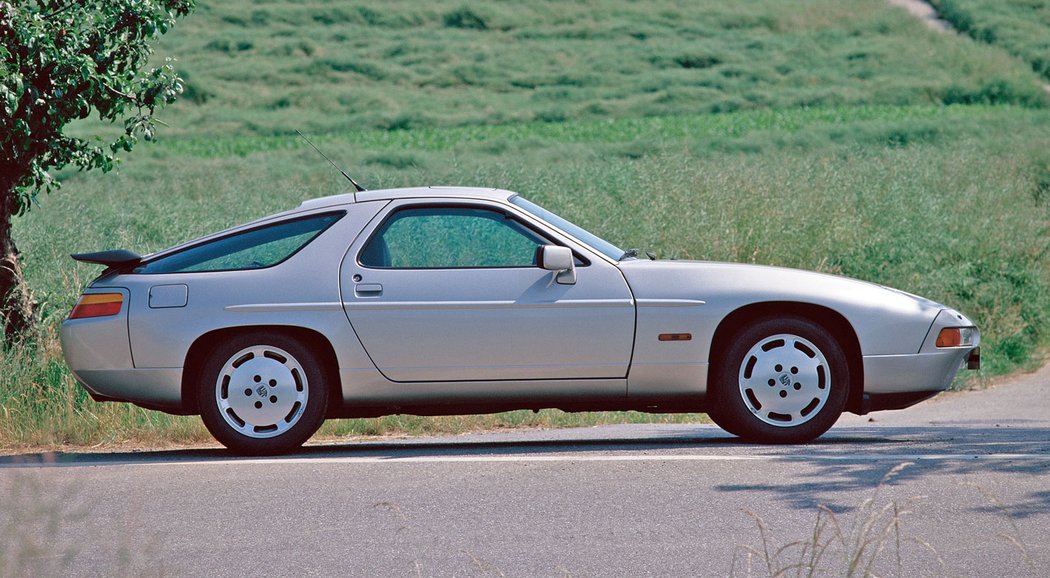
(872, 540)
(41, 406)
(854, 548)
(947, 203)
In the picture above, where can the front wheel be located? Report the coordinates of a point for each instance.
(262, 393)
(781, 380)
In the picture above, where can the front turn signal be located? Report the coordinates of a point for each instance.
(955, 337)
(97, 305)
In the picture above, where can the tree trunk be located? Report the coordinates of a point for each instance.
(16, 305)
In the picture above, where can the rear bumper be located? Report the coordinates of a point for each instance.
(98, 353)
(159, 389)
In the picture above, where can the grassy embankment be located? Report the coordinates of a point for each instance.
(875, 178)
(269, 67)
(1022, 27)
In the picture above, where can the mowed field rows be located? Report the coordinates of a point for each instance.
(811, 134)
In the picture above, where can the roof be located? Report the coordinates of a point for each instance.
(406, 193)
(348, 198)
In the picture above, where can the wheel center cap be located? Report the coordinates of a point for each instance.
(785, 379)
(262, 391)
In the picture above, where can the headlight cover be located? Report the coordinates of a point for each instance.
(951, 330)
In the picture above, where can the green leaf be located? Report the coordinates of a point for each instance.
(91, 57)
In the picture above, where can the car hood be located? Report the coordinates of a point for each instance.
(894, 321)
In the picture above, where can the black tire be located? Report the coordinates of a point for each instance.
(262, 393)
(780, 380)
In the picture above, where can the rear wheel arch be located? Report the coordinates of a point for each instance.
(198, 353)
(827, 318)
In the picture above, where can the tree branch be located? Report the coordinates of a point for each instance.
(59, 11)
(130, 97)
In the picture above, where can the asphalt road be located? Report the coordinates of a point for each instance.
(965, 478)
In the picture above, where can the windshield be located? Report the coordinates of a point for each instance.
(590, 239)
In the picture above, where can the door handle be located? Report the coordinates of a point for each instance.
(368, 290)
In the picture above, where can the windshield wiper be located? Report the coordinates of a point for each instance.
(629, 254)
(633, 254)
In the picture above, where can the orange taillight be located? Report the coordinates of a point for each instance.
(97, 305)
(949, 337)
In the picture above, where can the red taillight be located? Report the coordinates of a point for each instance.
(97, 305)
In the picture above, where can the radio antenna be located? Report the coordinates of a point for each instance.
(358, 187)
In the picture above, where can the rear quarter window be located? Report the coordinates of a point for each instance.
(258, 248)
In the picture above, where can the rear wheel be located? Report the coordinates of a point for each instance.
(262, 393)
(781, 380)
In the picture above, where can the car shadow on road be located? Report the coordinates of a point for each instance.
(463, 446)
(843, 460)
(964, 454)
(842, 444)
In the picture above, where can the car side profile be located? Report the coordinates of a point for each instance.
(451, 300)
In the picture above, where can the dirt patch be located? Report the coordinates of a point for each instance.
(923, 11)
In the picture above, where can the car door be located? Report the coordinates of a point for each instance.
(450, 291)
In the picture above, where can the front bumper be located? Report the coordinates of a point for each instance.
(885, 374)
(899, 381)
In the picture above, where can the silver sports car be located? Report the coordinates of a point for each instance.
(445, 300)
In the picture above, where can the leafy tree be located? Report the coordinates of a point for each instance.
(60, 60)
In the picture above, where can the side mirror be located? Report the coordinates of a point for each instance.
(558, 259)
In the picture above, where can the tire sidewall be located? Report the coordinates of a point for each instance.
(310, 420)
(732, 413)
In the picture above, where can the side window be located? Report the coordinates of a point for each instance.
(451, 238)
(254, 249)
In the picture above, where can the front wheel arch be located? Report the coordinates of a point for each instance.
(828, 318)
(197, 354)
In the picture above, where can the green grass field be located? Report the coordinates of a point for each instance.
(922, 164)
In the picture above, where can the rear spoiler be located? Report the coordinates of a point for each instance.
(114, 260)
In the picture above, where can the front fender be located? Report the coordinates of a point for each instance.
(886, 321)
